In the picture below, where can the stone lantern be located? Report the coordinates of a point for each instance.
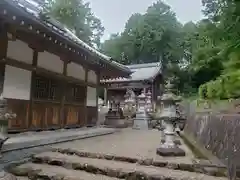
(129, 101)
(5, 116)
(149, 101)
(142, 118)
(169, 115)
(129, 107)
(114, 117)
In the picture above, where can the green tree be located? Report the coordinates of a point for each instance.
(77, 16)
(150, 37)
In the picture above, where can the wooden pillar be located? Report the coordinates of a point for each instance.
(153, 92)
(3, 52)
(105, 96)
(63, 95)
(97, 91)
(3, 41)
(33, 76)
(85, 100)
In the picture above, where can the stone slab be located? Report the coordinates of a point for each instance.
(166, 152)
(29, 140)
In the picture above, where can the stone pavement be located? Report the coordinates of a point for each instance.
(127, 154)
(33, 139)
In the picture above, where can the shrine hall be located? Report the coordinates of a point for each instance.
(145, 77)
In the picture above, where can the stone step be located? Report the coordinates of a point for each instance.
(116, 169)
(22, 178)
(44, 171)
(194, 167)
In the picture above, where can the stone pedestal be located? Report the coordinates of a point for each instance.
(142, 118)
(115, 120)
(169, 146)
(174, 151)
(141, 121)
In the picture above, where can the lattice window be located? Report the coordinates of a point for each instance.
(46, 89)
(75, 93)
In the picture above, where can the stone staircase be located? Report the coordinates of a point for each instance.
(68, 164)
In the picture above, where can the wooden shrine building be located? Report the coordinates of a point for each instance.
(49, 76)
(144, 77)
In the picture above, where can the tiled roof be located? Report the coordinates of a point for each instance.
(140, 72)
(33, 9)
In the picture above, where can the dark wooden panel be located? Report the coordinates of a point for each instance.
(52, 116)
(92, 115)
(37, 116)
(45, 115)
(20, 107)
(73, 116)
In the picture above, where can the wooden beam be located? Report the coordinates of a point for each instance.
(30, 67)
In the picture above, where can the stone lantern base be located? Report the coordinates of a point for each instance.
(170, 151)
(176, 141)
(169, 145)
(141, 121)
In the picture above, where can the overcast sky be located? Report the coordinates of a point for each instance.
(115, 13)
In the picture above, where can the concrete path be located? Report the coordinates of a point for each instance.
(128, 154)
(140, 144)
(33, 139)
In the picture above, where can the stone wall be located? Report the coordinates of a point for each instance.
(216, 132)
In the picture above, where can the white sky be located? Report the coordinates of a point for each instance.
(115, 13)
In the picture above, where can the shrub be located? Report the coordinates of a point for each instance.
(224, 87)
(203, 91)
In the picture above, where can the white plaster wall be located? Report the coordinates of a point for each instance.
(17, 83)
(92, 77)
(76, 71)
(50, 62)
(20, 51)
(91, 96)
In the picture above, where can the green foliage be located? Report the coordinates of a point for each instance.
(77, 16)
(150, 37)
(203, 91)
(224, 87)
(203, 55)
